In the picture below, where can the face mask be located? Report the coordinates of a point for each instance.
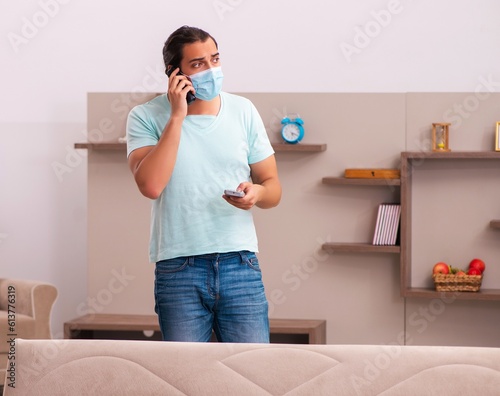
(207, 83)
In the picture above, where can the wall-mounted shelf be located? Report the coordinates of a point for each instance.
(276, 146)
(339, 247)
(495, 224)
(404, 250)
(360, 182)
(407, 169)
(101, 146)
(300, 147)
(358, 248)
(483, 294)
(415, 155)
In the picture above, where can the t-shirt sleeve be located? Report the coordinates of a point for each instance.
(259, 145)
(140, 130)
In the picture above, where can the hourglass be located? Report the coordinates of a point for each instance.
(440, 137)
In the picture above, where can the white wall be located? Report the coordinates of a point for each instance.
(53, 52)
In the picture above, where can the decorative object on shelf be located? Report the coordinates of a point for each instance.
(448, 278)
(292, 130)
(440, 136)
(372, 173)
(457, 283)
(497, 138)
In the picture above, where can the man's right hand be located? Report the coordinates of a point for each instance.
(178, 87)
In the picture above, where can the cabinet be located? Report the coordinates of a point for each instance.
(408, 162)
(146, 327)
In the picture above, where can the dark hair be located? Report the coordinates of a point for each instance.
(172, 50)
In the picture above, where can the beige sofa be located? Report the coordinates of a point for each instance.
(25, 309)
(110, 367)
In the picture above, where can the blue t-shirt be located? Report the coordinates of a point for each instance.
(190, 217)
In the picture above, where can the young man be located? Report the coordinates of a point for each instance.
(184, 156)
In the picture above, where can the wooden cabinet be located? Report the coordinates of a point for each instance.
(146, 327)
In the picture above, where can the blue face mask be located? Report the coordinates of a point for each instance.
(207, 83)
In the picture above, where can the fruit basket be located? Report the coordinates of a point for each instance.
(461, 283)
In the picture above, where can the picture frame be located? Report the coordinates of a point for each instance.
(497, 137)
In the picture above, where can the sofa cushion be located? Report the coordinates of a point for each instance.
(24, 327)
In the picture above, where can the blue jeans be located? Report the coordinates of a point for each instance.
(222, 292)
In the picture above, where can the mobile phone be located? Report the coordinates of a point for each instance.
(233, 193)
(190, 98)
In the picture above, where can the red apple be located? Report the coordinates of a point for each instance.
(460, 273)
(477, 264)
(441, 268)
(473, 271)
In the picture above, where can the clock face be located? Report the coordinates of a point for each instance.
(291, 132)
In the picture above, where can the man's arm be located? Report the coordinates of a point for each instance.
(152, 166)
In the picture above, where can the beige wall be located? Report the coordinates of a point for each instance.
(358, 294)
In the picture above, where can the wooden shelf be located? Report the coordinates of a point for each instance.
(409, 164)
(278, 147)
(495, 223)
(300, 147)
(101, 146)
(483, 294)
(360, 182)
(358, 248)
(450, 155)
(339, 247)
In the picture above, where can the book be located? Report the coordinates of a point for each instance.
(395, 225)
(387, 224)
(377, 226)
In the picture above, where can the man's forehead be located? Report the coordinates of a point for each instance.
(207, 45)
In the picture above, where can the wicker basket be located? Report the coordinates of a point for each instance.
(462, 283)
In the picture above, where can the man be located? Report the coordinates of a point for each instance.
(184, 156)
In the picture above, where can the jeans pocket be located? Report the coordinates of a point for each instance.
(171, 266)
(250, 259)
